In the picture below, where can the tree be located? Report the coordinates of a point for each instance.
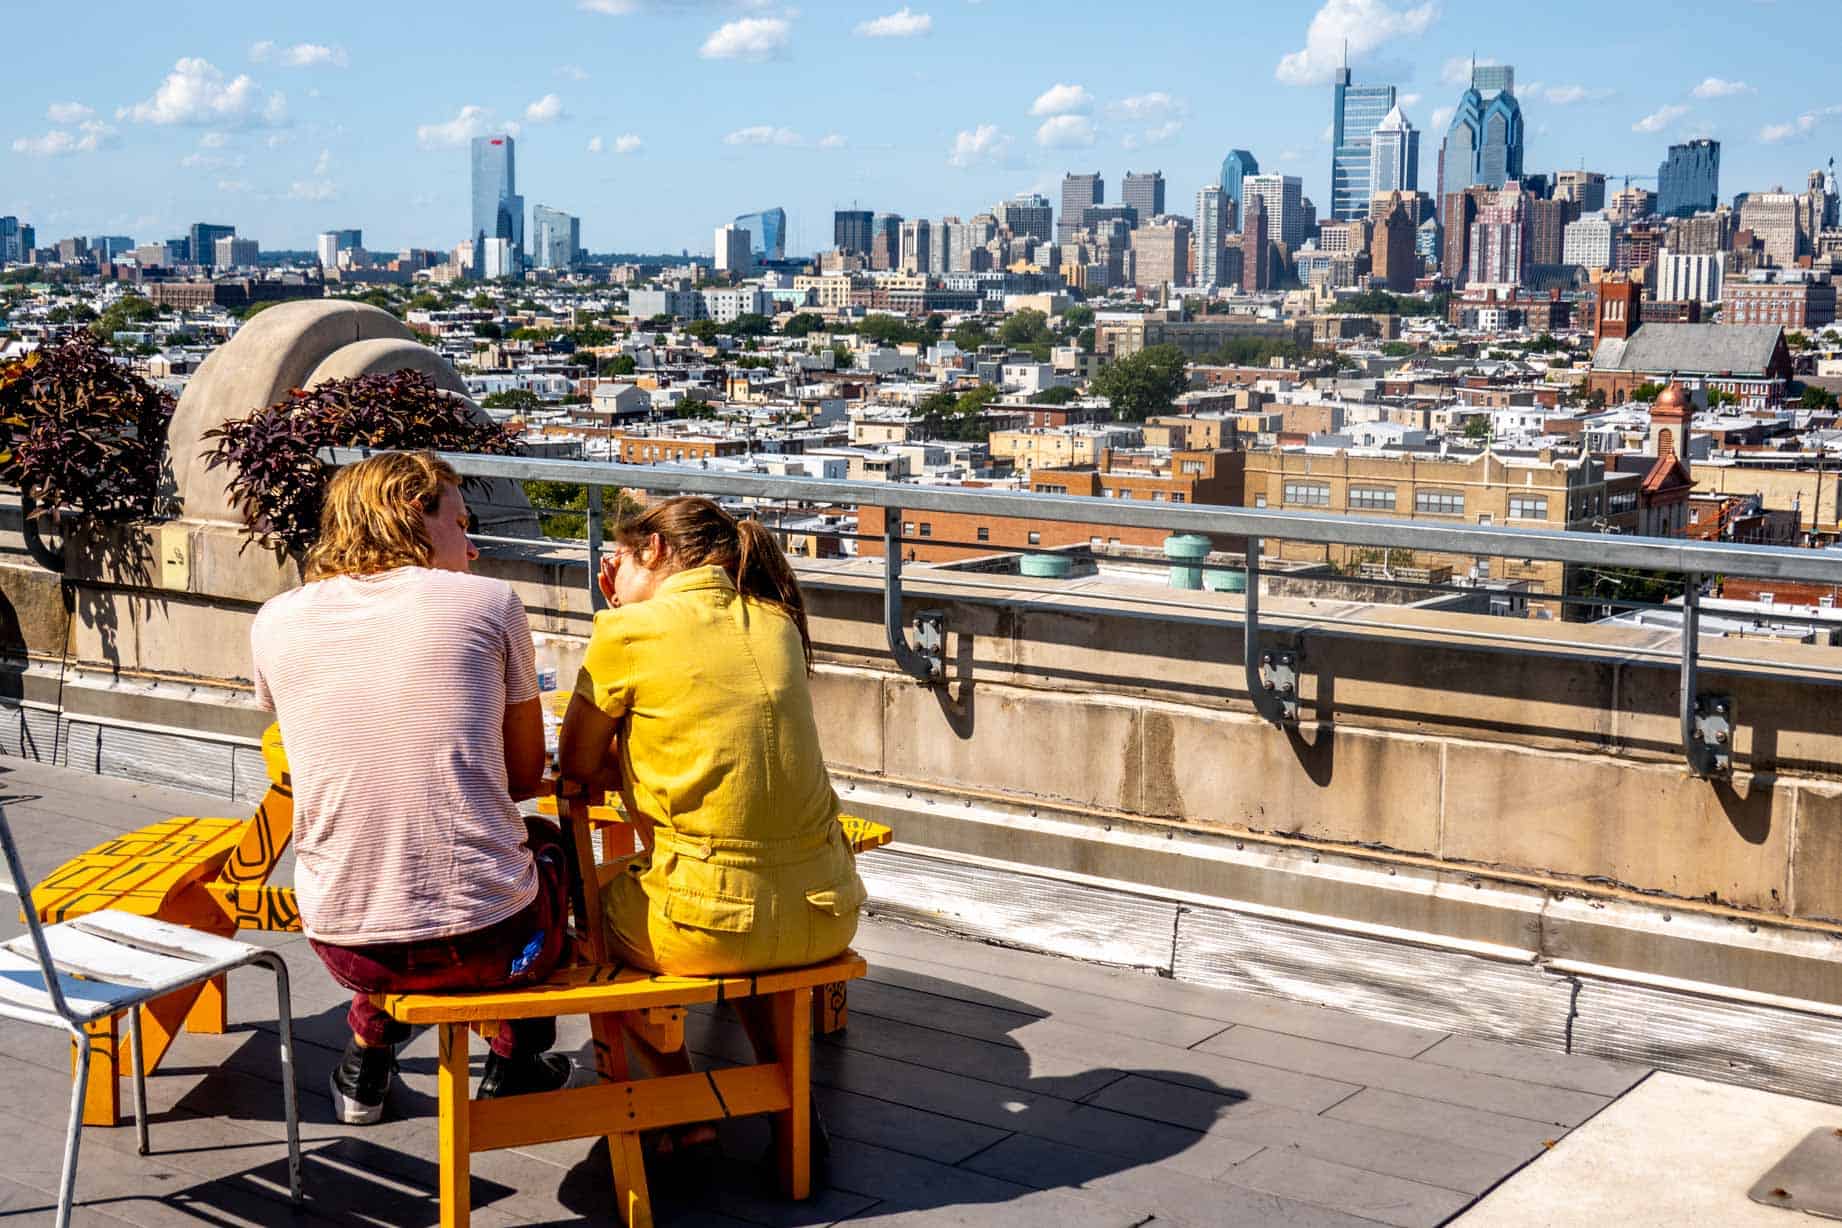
(802, 324)
(1396, 349)
(1477, 429)
(1718, 397)
(1797, 341)
(1647, 392)
(1144, 383)
(620, 364)
(749, 324)
(488, 330)
(1060, 394)
(511, 398)
(661, 321)
(695, 407)
(1817, 397)
(1026, 327)
(970, 336)
(703, 330)
(484, 301)
(842, 359)
(590, 335)
(1080, 315)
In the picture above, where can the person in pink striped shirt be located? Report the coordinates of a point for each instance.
(406, 691)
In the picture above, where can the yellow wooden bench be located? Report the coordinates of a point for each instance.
(620, 1108)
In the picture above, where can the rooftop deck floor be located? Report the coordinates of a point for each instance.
(975, 1085)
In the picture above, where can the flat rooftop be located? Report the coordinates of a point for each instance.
(975, 1084)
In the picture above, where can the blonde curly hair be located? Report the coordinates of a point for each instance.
(372, 517)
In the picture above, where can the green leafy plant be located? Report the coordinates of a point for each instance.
(273, 453)
(80, 432)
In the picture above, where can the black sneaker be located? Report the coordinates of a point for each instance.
(514, 1076)
(361, 1080)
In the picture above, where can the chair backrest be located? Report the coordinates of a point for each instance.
(23, 886)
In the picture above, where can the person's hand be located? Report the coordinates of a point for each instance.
(610, 563)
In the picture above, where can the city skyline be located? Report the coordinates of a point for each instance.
(286, 132)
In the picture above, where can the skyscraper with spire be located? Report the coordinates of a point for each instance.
(1356, 111)
(1484, 143)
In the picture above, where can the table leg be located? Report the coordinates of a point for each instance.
(102, 1097)
(209, 1015)
(831, 1009)
(632, 1200)
(456, 1142)
(792, 1018)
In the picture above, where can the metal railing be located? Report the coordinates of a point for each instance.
(1271, 675)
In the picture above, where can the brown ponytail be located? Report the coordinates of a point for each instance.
(699, 533)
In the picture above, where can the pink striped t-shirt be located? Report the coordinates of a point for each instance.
(391, 692)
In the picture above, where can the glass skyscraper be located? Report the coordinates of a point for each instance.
(850, 230)
(1688, 181)
(1394, 156)
(1237, 166)
(1484, 143)
(557, 238)
(1356, 111)
(1079, 193)
(767, 232)
(498, 210)
(1144, 193)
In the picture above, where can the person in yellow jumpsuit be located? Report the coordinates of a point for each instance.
(693, 700)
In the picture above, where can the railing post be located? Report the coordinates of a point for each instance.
(929, 664)
(1272, 676)
(1707, 720)
(595, 600)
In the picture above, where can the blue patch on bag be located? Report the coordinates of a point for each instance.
(528, 956)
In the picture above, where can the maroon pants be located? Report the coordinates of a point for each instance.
(524, 948)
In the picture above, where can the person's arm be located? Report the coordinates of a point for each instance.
(524, 748)
(586, 757)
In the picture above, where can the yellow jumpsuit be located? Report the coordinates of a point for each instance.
(749, 868)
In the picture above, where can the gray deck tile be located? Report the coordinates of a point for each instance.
(1359, 1192)
(1595, 1075)
(1515, 1098)
(900, 1127)
(1448, 1123)
(1388, 1152)
(915, 1190)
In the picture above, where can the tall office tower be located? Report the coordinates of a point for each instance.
(1585, 188)
(1392, 259)
(1683, 278)
(953, 240)
(330, 243)
(1394, 157)
(937, 251)
(983, 228)
(734, 248)
(1028, 215)
(917, 245)
(1144, 193)
(1485, 141)
(1215, 221)
(235, 253)
(1419, 205)
(497, 258)
(556, 238)
(1284, 200)
(1772, 217)
(1161, 251)
(1500, 240)
(1688, 179)
(106, 248)
(1588, 242)
(1356, 111)
(1704, 234)
(1256, 261)
(768, 231)
(886, 241)
(1428, 239)
(201, 246)
(1236, 167)
(1547, 220)
(850, 231)
(498, 210)
(1631, 204)
(1456, 214)
(10, 248)
(1079, 194)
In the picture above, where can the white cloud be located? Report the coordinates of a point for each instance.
(261, 52)
(627, 142)
(1065, 131)
(748, 38)
(1060, 99)
(1147, 107)
(196, 92)
(233, 185)
(573, 71)
(214, 140)
(1772, 134)
(1441, 117)
(1567, 95)
(595, 145)
(316, 190)
(902, 23)
(1410, 100)
(981, 144)
(1363, 26)
(1660, 118)
(1457, 70)
(1715, 87)
(546, 110)
(300, 55)
(612, 8)
(68, 112)
(832, 140)
(88, 138)
(322, 163)
(1161, 135)
(762, 134)
(470, 122)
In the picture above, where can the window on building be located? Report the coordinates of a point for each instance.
(1259, 500)
(1528, 507)
(1177, 496)
(1371, 498)
(1036, 539)
(1192, 466)
(1623, 501)
(1112, 541)
(1047, 489)
(1111, 493)
(1157, 496)
(927, 528)
(1093, 541)
(1308, 494)
(908, 528)
(984, 533)
(1438, 503)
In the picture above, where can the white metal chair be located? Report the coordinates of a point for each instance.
(109, 963)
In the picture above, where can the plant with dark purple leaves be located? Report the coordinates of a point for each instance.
(81, 433)
(273, 454)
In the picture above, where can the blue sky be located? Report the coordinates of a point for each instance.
(655, 120)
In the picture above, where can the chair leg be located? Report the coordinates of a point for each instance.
(456, 1143)
(137, 1062)
(73, 1137)
(792, 1016)
(290, 1107)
